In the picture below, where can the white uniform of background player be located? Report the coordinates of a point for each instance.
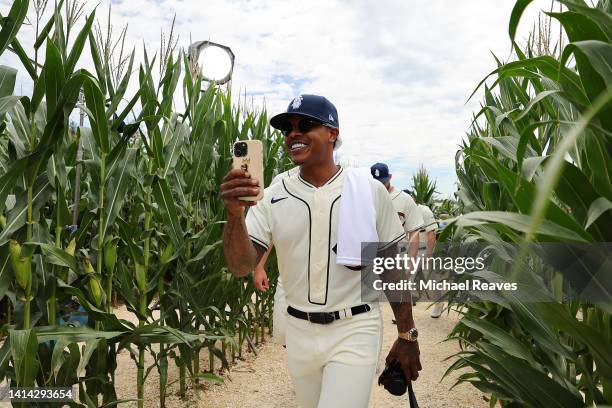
(427, 240)
(405, 207)
(410, 215)
(429, 225)
(331, 365)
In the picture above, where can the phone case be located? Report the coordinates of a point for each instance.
(253, 163)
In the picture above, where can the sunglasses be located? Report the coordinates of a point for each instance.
(304, 126)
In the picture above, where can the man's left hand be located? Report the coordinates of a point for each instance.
(260, 279)
(407, 353)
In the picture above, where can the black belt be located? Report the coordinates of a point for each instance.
(327, 317)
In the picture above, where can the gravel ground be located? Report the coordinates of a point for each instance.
(263, 381)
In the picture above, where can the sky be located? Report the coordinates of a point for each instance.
(399, 72)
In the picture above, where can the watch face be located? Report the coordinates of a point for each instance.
(414, 334)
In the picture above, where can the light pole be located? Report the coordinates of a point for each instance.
(77, 178)
(214, 61)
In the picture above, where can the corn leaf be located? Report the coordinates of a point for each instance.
(597, 343)
(97, 115)
(67, 374)
(54, 75)
(6, 272)
(68, 97)
(24, 345)
(118, 185)
(499, 337)
(18, 215)
(164, 200)
(12, 23)
(121, 89)
(519, 222)
(79, 43)
(596, 209)
(57, 256)
(515, 17)
(593, 63)
(580, 27)
(8, 76)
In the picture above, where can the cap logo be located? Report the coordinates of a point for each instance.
(297, 102)
(331, 117)
(377, 173)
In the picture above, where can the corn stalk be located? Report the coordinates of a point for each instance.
(149, 217)
(538, 153)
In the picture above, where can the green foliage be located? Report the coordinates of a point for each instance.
(149, 222)
(535, 167)
(423, 187)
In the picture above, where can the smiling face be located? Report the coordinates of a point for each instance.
(312, 147)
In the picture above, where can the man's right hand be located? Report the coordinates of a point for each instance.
(238, 183)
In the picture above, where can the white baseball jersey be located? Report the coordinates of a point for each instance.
(294, 171)
(406, 208)
(301, 221)
(429, 224)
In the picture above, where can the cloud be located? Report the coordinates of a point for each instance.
(399, 72)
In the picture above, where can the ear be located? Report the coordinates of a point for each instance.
(390, 177)
(333, 132)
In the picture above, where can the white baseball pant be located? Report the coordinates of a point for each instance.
(333, 365)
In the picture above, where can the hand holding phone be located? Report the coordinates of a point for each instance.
(242, 186)
(248, 156)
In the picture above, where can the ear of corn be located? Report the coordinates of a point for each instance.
(22, 266)
(167, 254)
(110, 255)
(140, 277)
(95, 287)
(93, 282)
(71, 248)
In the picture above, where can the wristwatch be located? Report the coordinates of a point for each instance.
(410, 335)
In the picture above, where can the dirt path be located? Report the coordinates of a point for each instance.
(263, 381)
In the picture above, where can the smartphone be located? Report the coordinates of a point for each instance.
(248, 155)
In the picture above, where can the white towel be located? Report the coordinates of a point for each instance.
(357, 220)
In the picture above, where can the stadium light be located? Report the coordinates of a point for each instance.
(214, 61)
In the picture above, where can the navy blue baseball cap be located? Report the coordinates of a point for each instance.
(310, 106)
(380, 171)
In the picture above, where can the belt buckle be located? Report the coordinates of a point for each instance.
(321, 317)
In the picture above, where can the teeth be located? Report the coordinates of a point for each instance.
(296, 146)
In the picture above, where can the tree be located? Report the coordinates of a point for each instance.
(423, 187)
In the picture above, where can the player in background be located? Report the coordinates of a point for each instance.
(408, 212)
(427, 243)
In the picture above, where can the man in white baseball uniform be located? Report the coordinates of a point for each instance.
(332, 336)
(407, 210)
(408, 213)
